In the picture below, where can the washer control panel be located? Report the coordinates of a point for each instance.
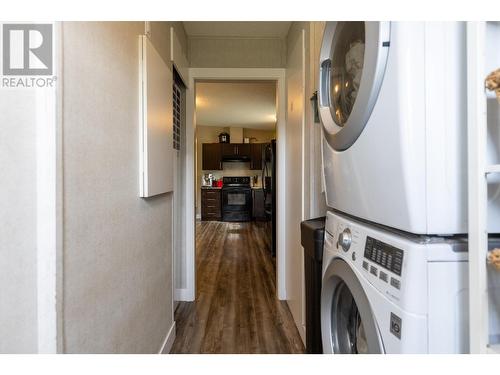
(385, 255)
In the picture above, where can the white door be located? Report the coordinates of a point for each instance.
(352, 64)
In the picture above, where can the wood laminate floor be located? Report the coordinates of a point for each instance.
(236, 309)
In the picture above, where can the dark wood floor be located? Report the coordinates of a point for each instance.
(236, 309)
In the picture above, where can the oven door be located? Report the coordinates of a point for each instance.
(236, 204)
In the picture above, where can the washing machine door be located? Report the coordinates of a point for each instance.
(352, 65)
(348, 325)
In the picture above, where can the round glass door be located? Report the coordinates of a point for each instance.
(352, 64)
(347, 66)
(348, 324)
(348, 331)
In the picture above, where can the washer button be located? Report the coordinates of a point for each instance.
(373, 270)
(383, 276)
(365, 265)
(395, 283)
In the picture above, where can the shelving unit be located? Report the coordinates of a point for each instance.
(478, 170)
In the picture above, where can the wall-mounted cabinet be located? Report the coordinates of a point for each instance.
(156, 122)
(214, 154)
(211, 156)
(236, 151)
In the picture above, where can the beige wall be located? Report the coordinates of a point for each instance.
(18, 246)
(117, 247)
(205, 52)
(160, 35)
(210, 134)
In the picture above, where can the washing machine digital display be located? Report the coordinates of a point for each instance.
(387, 256)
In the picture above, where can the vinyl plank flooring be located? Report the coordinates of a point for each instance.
(236, 309)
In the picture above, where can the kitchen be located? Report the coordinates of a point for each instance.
(236, 226)
(236, 164)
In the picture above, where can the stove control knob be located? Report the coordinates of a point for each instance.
(345, 239)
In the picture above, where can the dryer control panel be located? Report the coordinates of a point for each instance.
(385, 255)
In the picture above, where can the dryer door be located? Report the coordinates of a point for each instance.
(352, 65)
(348, 325)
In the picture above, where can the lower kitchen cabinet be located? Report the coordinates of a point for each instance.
(211, 204)
(256, 155)
(259, 212)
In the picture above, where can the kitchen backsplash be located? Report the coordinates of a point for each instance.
(236, 169)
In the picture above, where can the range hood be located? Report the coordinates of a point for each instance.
(235, 158)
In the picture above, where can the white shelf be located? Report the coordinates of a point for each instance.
(494, 349)
(493, 168)
(491, 94)
(477, 187)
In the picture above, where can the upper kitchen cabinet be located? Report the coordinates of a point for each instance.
(211, 156)
(244, 150)
(236, 151)
(256, 155)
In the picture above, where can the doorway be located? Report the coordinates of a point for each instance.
(237, 74)
(233, 245)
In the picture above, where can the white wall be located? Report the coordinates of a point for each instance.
(117, 246)
(18, 257)
(317, 205)
(306, 200)
(295, 78)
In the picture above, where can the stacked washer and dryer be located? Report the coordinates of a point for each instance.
(392, 102)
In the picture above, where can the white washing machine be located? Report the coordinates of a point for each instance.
(392, 101)
(387, 293)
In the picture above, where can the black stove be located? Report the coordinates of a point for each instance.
(236, 181)
(236, 199)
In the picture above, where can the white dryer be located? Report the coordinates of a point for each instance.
(387, 293)
(392, 101)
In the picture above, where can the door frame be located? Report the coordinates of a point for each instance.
(270, 74)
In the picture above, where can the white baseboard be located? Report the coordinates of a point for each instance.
(302, 333)
(185, 295)
(169, 341)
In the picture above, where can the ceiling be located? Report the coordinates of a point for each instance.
(247, 104)
(245, 29)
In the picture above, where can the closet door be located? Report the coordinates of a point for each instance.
(156, 122)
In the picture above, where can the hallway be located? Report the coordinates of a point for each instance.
(236, 309)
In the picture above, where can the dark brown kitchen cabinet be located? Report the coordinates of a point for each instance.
(211, 204)
(236, 150)
(244, 150)
(256, 155)
(211, 156)
(259, 212)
